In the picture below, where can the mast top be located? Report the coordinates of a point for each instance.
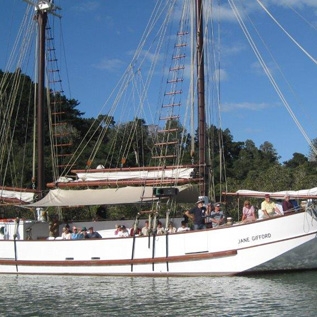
(45, 6)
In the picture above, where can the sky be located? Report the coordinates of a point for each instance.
(100, 36)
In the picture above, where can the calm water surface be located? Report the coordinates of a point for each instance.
(266, 295)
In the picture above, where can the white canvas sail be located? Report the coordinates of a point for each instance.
(177, 173)
(23, 196)
(308, 193)
(110, 196)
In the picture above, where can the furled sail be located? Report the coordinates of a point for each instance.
(110, 196)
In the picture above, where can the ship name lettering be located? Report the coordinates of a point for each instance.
(244, 240)
(261, 236)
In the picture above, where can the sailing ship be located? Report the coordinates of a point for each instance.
(281, 243)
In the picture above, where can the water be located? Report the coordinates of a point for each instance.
(267, 295)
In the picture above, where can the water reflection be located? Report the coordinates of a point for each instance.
(269, 295)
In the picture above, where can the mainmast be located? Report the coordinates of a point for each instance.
(42, 20)
(203, 187)
(42, 8)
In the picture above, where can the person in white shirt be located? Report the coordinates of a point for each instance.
(171, 228)
(159, 228)
(146, 229)
(123, 232)
(66, 235)
(183, 227)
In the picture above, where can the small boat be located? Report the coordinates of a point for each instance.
(286, 242)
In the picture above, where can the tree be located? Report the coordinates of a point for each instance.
(268, 152)
(312, 157)
(129, 145)
(297, 160)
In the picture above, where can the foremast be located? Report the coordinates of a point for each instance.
(42, 8)
(203, 186)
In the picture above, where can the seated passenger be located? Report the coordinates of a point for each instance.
(159, 228)
(269, 208)
(66, 235)
(183, 227)
(137, 231)
(171, 228)
(123, 232)
(76, 235)
(84, 232)
(93, 234)
(68, 226)
(248, 213)
(287, 205)
(146, 229)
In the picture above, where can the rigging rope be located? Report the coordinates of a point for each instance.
(9, 111)
(269, 75)
(288, 35)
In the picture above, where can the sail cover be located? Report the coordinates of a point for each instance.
(109, 196)
(177, 173)
(303, 193)
(23, 196)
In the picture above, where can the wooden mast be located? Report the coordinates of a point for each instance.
(203, 186)
(42, 8)
(42, 20)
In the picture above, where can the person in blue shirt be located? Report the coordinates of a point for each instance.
(76, 235)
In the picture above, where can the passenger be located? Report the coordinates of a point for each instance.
(248, 213)
(159, 228)
(54, 227)
(217, 216)
(75, 235)
(269, 208)
(84, 232)
(93, 234)
(146, 229)
(123, 232)
(66, 235)
(171, 228)
(183, 227)
(197, 215)
(68, 226)
(287, 205)
(137, 231)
